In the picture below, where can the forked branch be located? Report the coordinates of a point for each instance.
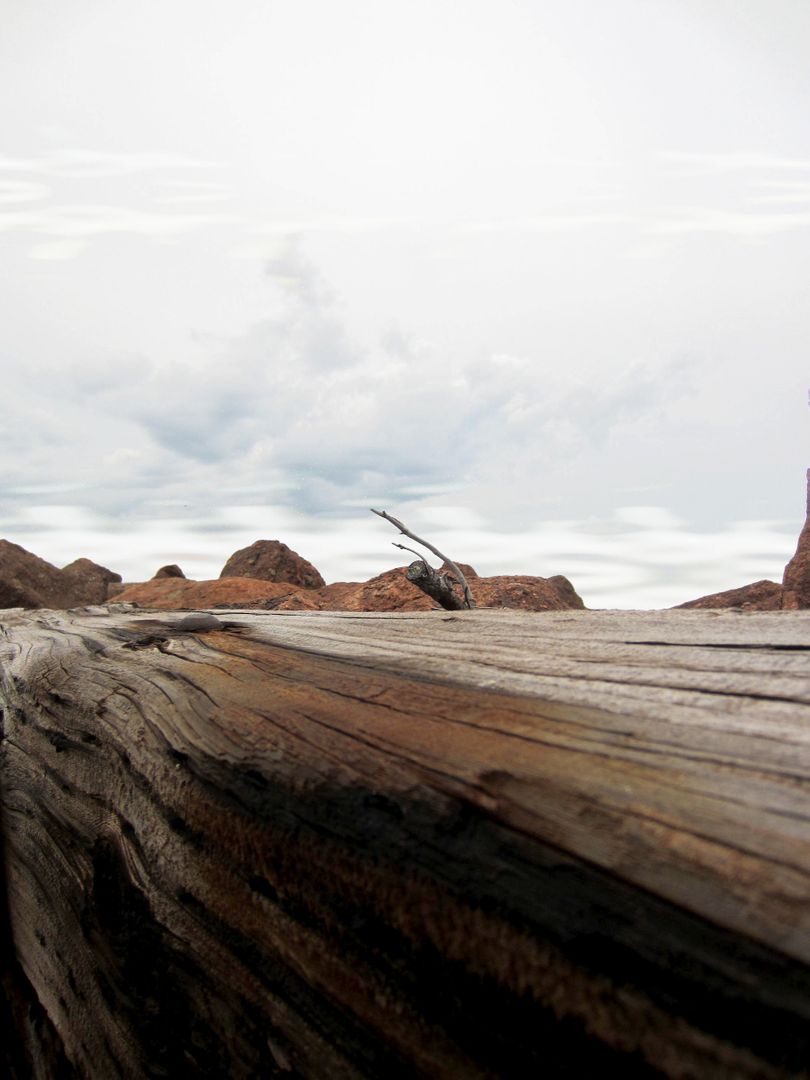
(437, 585)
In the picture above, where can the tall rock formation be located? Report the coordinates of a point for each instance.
(796, 579)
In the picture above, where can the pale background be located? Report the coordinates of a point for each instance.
(533, 276)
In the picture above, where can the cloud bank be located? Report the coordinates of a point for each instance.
(293, 429)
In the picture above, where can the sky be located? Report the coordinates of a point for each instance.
(532, 276)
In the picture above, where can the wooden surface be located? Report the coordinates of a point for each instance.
(471, 844)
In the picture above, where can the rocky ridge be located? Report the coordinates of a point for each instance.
(796, 579)
(270, 575)
(267, 574)
(390, 591)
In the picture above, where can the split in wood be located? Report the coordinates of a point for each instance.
(437, 585)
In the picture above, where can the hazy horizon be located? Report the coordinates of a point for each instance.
(534, 279)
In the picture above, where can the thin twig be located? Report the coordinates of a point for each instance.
(468, 597)
(413, 551)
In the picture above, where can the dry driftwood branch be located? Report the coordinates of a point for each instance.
(468, 602)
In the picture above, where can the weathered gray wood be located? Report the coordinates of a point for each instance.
(483, 843)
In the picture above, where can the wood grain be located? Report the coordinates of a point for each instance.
(472, 844)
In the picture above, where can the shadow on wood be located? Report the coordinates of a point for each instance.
(478, 845)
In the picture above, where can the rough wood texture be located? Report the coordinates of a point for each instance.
(480, 844)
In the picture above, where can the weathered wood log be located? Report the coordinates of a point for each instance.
(484, 844)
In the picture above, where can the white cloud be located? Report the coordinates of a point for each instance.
(22, 191)
(87, 221)
(57, 250)
(649, 517)
(299, 414)
(78, 173)
(683, 220)
(783, 192)
(735, 162)
(178, 187)
(558, 222)
(79, 163)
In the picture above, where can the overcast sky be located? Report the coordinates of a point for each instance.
(533, 276)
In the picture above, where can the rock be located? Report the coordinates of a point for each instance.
(759, 596)
(566, 591)
(169, 571)
(181, 594)
(797, 572)
(87, 582)
(527, 593)
(465, 568)
(30, 582)
(297, 600)
(200, 621)
(392, 591)
(270, 560)
(27, 581)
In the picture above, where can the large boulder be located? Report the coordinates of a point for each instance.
(30, 582)
(390, 591)
(27, 581)
(270, 560)
(169, 571)
(796, 579)
(527, 593)
(87, 582)
(566, 592)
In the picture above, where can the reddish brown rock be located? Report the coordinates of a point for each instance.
(87, 582)
(527, 593)
(759, 596)
(566, 591)
(182, 594)
(169, 571)
(270, 560)
(797, 572)
(465, 568)
(392, 591)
